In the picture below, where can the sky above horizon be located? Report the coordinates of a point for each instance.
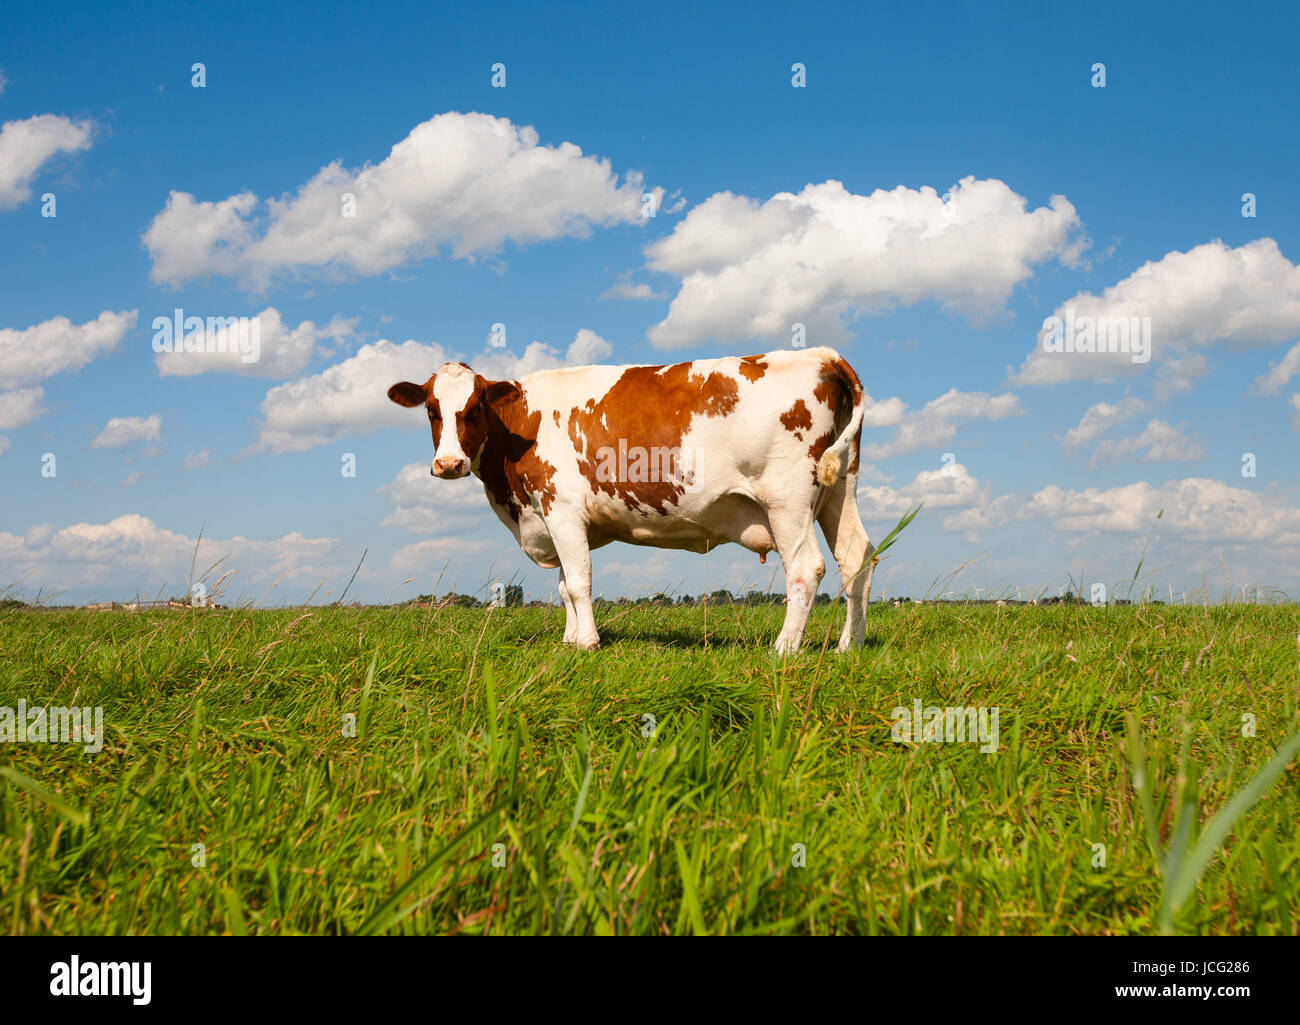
(388, 187)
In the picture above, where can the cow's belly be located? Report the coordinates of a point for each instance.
(535, 539)
(697, 528)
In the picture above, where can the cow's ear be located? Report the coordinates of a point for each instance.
(500, 391)
(408, 393)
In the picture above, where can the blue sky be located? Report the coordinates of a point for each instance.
(1056, 467)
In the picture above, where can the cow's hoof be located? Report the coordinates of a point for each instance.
(784, 647)
(590, 645)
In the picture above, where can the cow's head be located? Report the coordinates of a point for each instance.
(458, 401)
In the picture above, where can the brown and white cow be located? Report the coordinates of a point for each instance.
(753, 450)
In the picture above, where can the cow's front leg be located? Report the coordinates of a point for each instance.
(575, 577)
(570, 616)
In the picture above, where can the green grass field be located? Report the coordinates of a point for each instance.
(228, 729)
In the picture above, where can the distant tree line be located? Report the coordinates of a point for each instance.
(514, 596)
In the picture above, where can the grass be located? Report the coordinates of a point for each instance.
(498, 782)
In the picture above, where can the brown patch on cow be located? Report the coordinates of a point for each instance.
(556, 413)
(508, 463)
(839, 390)
(797, 419)
(650, 408)
(753, 367)
(818, 449)
(837, 376)
(435, 422)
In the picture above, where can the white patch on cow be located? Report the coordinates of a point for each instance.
(452, 388)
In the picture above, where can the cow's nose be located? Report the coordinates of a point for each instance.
(448, 467)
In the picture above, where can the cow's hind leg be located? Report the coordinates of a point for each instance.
(853, 551)
(570, 615)
(796, 543)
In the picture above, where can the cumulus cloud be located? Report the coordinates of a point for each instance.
(1279, 373)
(500, 364)
(26, 145)
(463, 183)
(1212, 294)
(428, 558)
(424, 505)
(258, 346)
(627, 290)
(19, 408)
(826, 256)
(132, 555)
(1158, 443)
(1196, 509)
(55, 346)
(951, 487)
(351, 397)
(1099, 418)
(121, 431)
(196, 460)
(936, 423)
(882, 412)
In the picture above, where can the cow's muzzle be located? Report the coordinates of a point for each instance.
(450, 468)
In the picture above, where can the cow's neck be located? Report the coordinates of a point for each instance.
(511, 432)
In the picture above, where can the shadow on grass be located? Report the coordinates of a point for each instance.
(695, 639)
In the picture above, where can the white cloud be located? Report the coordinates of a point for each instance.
(196, 460)
(19, 408)
(426, 558)
(951, 487)
(1158, 443)
(425, 505)
(1196, 509)
(56, 346)
(628, 290)
(501, 364)
(1176, 375)
(827, 256)
(26, 145)
(882, 412)
(467, 183)
(936, 423)
(351, 397)
(132, 555)
(1099, 418)
(1248, 296)
(1279, 373)
(279, 351)
(121, 431)
(134, 477)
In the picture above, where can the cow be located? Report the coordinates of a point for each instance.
(752, 450)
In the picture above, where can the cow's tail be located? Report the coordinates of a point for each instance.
(830, 467)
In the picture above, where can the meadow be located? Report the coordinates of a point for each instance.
(404, 770)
